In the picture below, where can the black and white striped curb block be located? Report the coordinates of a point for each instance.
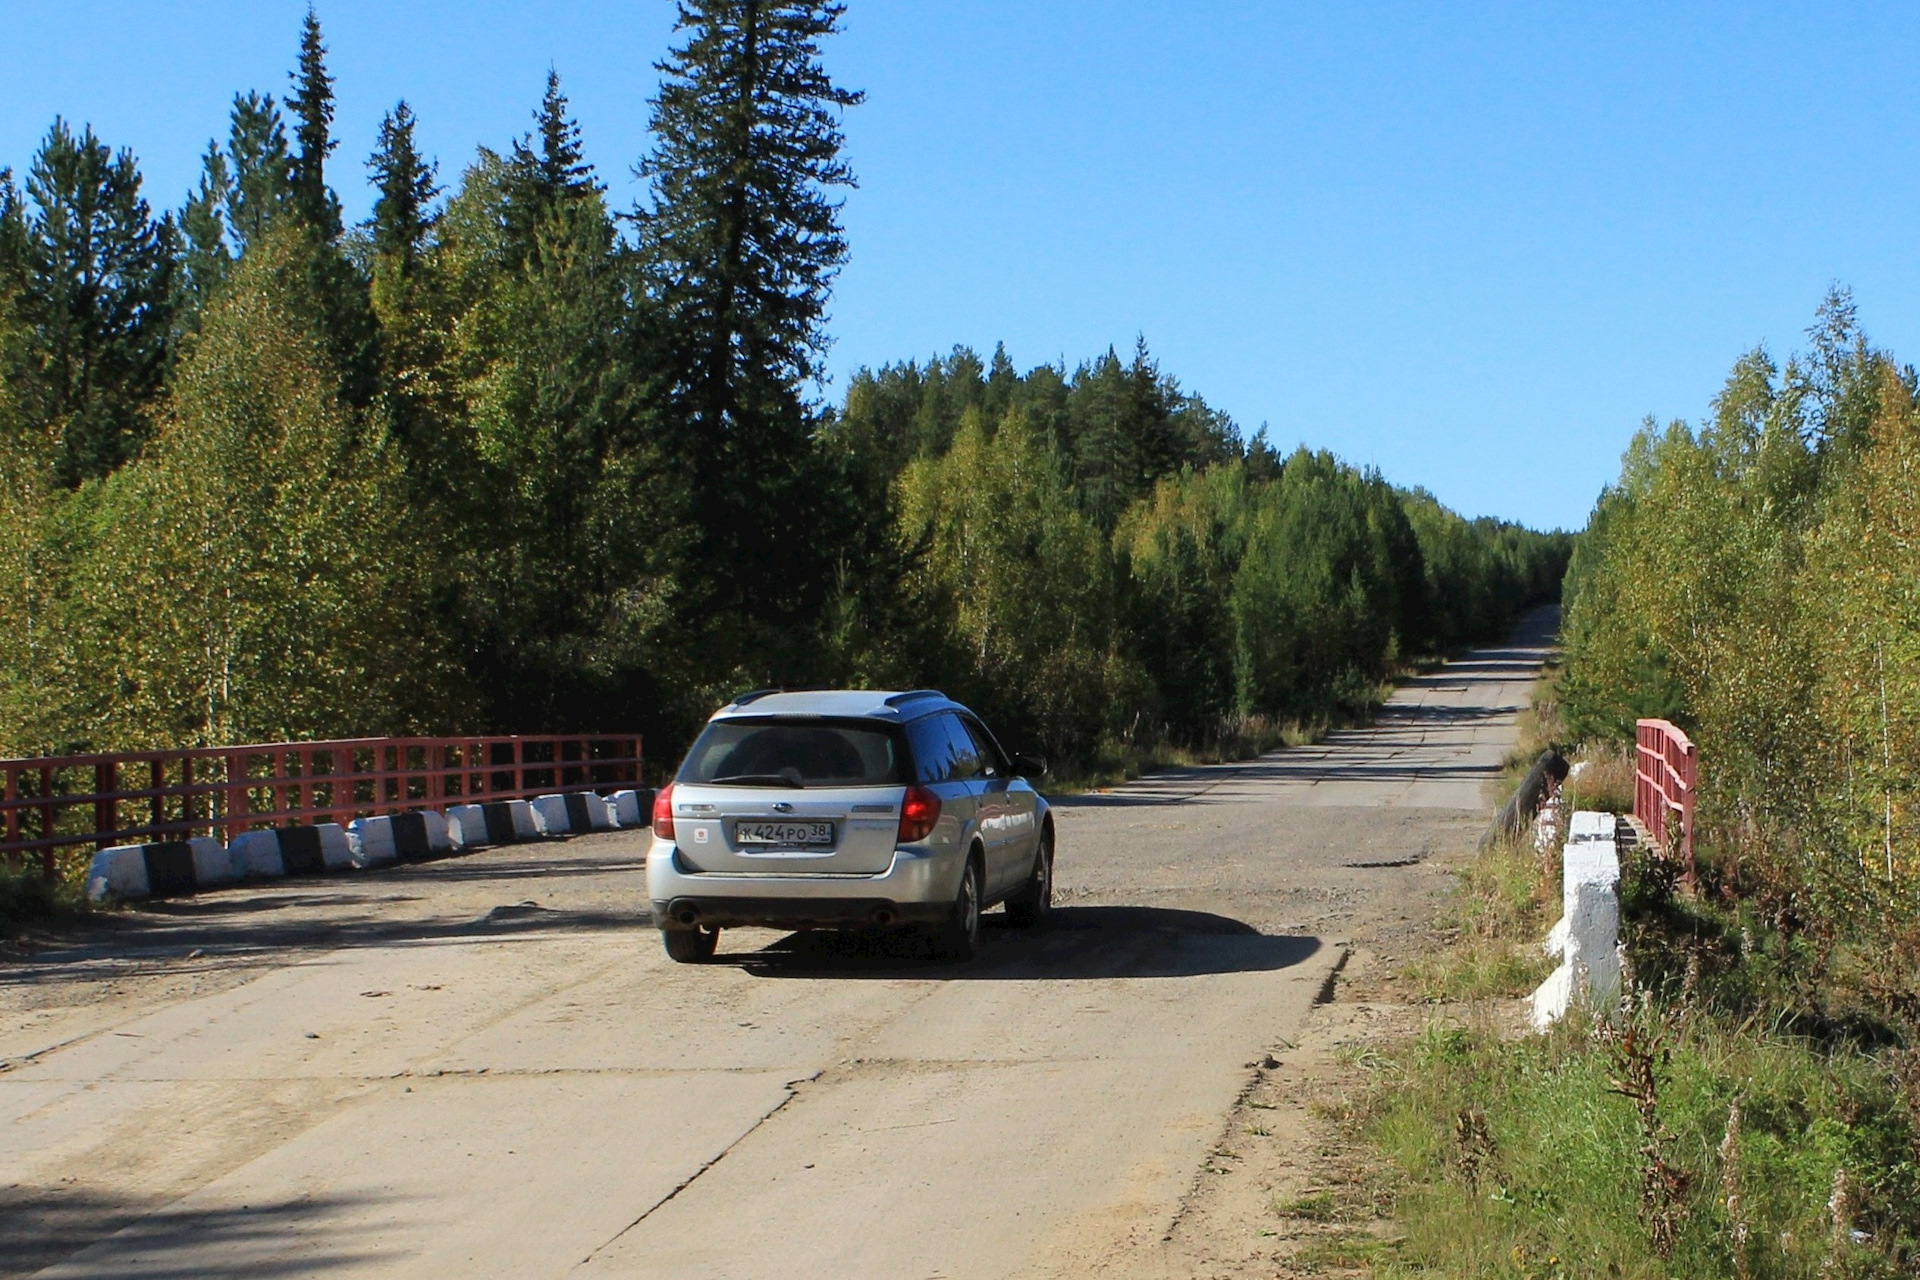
(400, 837)
(572, 813)
(633, 808)
(497, 822)
(292, 851)
(158, 870)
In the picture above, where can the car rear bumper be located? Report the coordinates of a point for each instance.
(917, 888)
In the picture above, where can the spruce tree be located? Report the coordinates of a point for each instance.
(546, 169)
(411, 342)
(94, 305)
(743, 240)
(559, 166)
(311, 104)
(405, 180)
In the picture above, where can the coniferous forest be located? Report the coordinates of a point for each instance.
(504, 457)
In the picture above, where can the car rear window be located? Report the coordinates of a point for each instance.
(774, 752)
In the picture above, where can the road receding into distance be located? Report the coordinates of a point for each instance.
(485, 1066)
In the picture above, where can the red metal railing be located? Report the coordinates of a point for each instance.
(1666, 775)
(57, 802)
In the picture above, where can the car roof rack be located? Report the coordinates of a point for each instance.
(911, 695)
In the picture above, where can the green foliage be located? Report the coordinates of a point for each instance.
(1752, 580)
(92, 305)
(1522, 1158)
(240, 582)
(510, 462)
(741, 241)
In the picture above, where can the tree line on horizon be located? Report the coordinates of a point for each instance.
(504, 458)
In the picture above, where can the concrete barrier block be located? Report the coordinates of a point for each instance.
(550, 816)
(159, 869)
(1589, 930)
(571, 813)
(256, 854)
(371, 841)
(633, 808)
(495, 822)
(292, 851)
(117, 873)
(466, 826)
(212, 864)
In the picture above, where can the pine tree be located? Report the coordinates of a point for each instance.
(204, 259)
(262, 182)
(13, 233)
(312, 106)
(743, 241)
(94, 303)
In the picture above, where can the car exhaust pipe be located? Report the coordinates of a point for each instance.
(687, 914)
(883, 916)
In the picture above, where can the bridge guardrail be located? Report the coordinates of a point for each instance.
(49, 803)
(1666, 778)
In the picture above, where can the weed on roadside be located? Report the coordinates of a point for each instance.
(28, 897)
(1503, 903)
(1612, 1154)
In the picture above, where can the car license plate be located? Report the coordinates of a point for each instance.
(782, 832)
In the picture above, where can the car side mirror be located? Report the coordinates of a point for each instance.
(1029, 767)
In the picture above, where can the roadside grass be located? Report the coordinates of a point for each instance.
(1236, 739)
(27, 897)
(1746, 1114)
(1751, 1154)
(1503, 903)
(1601, 780)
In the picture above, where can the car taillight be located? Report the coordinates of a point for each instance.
(918, 812)
(663, 812)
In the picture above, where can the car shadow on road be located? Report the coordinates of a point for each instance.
(1078, 942)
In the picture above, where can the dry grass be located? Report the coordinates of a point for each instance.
(1602, 779)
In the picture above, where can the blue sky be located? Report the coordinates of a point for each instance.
(1469, 244)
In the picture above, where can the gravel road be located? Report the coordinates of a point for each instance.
(484, 1066)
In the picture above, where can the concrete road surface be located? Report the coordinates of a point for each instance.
(486, 1067)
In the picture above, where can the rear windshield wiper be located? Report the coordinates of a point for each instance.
(758, 780)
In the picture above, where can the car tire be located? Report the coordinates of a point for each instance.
(690, 946)
(959, 937)
(1033, 904)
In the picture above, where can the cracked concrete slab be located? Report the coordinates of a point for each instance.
(415, 1071)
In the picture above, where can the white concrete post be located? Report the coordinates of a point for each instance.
(1589, 930)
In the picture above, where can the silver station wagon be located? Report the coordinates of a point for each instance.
(847, 809)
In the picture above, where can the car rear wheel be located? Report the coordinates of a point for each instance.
(690, 946)
(959, 937)
(1030, 907)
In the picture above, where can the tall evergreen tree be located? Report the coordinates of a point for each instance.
(262, 182)
(402, 212)
(558, 166)
(312, 106)
(13, 232)
(94, 303)
(743, 240)
(398, 233)
(204, 259)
